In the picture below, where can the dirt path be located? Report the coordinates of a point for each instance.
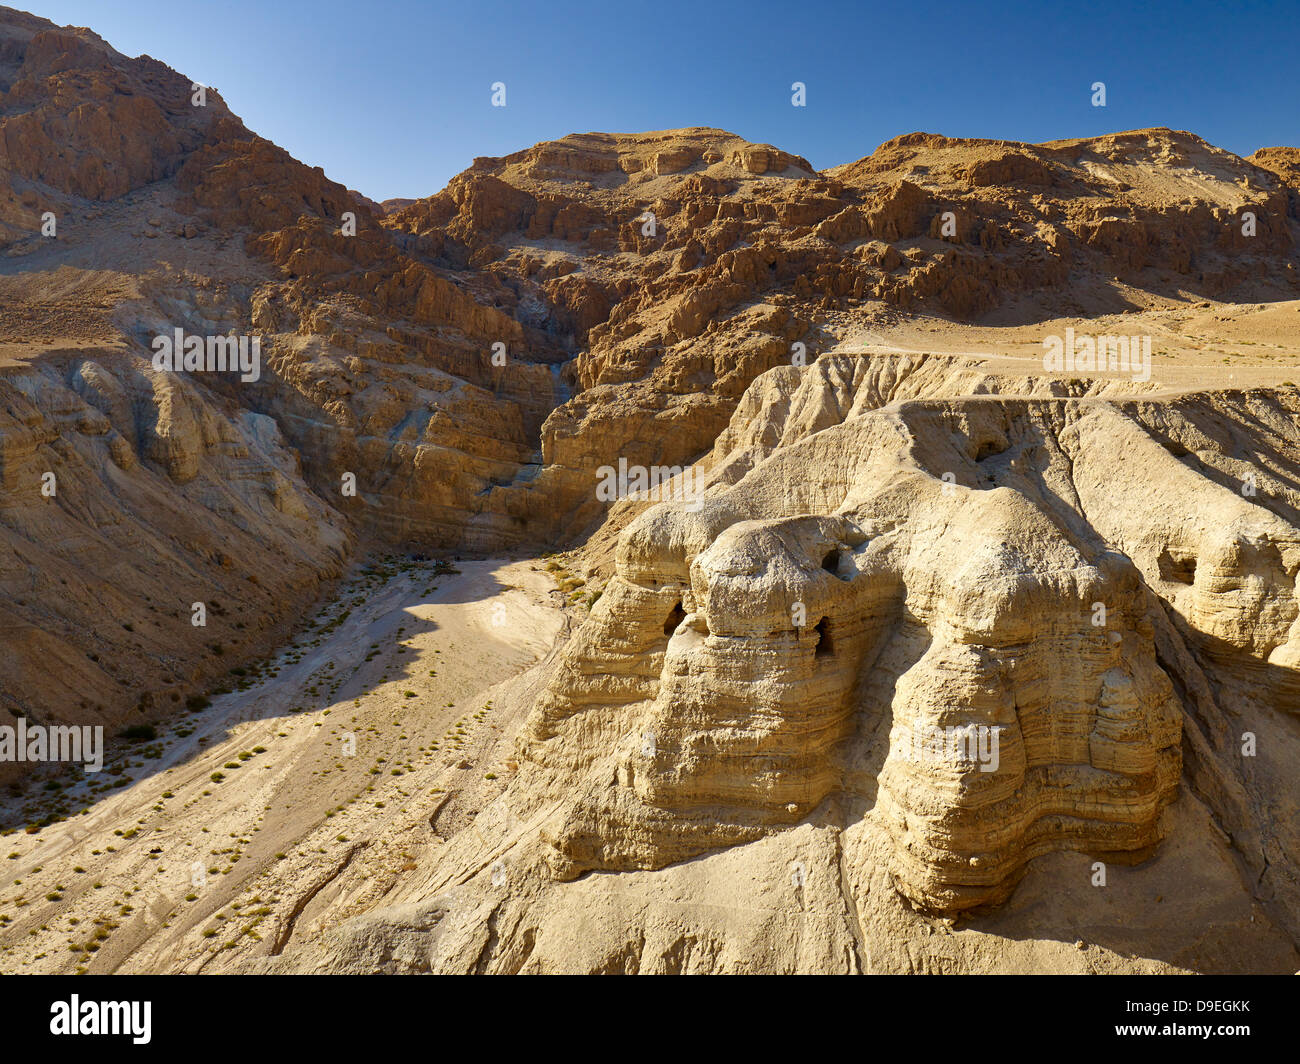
(236, 828)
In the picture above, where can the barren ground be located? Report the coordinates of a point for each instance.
(248, 819)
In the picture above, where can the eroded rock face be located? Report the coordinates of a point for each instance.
(889, 546)
(790, 651)
(126, 496)
(80, 118)
(753, 252)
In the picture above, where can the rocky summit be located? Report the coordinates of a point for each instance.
(648, 553)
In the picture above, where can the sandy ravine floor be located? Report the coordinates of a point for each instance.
(240, 821)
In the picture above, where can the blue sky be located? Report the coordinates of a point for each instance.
(392, 97)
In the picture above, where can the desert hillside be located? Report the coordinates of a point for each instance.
(454, 708)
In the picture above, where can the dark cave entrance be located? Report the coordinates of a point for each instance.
(825, 641)
(675, 619)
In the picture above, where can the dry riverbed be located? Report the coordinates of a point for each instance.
(301, 796)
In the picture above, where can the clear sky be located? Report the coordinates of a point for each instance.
(393, 97)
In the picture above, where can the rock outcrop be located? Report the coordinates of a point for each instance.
(911, 570)
(783, 704)
(126, 497)
(672, 319)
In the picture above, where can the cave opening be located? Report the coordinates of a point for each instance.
(675, 619)
(831, 563)
(1178, 568)
(825, 642)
